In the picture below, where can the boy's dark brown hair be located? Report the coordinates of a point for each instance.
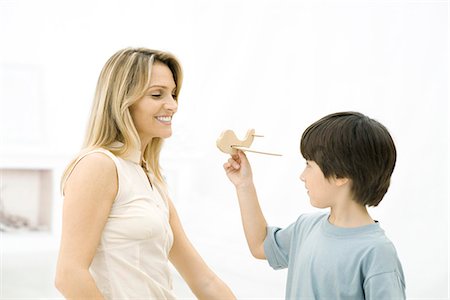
(354, 146)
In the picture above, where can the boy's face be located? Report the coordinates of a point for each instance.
(321, 190)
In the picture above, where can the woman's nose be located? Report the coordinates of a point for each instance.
(171, 104)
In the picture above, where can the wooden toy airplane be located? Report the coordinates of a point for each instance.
(229, 143)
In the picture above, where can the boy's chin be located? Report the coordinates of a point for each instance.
(317, 205)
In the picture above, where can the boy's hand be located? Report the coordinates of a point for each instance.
(238, 170)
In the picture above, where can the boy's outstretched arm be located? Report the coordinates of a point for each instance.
(240, 174)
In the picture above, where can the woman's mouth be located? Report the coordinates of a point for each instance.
(164, 119)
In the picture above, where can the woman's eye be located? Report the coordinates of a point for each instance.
(156, 95)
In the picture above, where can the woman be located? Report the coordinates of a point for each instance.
(120, 229)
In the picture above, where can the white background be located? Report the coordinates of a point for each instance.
(275, 66)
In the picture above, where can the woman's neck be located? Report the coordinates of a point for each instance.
(144, 144)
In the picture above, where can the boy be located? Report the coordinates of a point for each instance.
(343, 254)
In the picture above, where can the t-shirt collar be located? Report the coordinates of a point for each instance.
(336, 231)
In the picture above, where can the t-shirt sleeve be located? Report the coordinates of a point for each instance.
(277, 246)
(387, 285)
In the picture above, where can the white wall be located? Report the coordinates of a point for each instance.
(276, 66)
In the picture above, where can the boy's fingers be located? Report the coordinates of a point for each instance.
(232, 164)
(242, 155)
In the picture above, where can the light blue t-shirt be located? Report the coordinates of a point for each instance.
(329, 262)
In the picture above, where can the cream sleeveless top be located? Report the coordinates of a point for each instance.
(131, 261)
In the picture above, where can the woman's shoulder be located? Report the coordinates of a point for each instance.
(96, 159)
(92, 184)
(93, 166)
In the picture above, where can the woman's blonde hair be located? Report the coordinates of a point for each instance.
(123, 81)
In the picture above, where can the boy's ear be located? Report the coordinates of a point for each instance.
(340, 181)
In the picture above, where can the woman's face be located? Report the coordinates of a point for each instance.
(152, 114)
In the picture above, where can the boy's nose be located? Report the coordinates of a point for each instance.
(302, 176)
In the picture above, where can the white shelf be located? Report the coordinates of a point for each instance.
(29, 186)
